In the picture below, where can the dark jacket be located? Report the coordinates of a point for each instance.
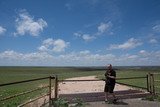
(110, 81)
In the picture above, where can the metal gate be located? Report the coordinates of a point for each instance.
(154, 83)
(99, 96)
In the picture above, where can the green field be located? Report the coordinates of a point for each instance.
(12, 74)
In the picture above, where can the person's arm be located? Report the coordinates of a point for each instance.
(113, 76)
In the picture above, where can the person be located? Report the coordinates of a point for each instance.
(110, 80)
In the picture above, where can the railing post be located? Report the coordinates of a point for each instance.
(150, 82)
(147, 83)
(50, 93)
(56, 87)
(153, 83)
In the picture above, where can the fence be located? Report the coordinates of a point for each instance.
(146, 78)
(49, 93)
(146, 87)
(154, 79)
(151, 86)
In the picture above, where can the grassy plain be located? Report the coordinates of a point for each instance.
(12, 74)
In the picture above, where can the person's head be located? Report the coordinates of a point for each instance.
(109, 66)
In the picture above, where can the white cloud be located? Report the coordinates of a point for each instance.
(10, 54)
(85, 37)
(142, 52)
(103, 27)
(59, 45)
(12, 58)
(153, 41)
(87, 58)
(77, 34)
(50, 44)
(156, 28)
(2, 30)
(37, 56)
(132, 56)
(26, 24)
(43, 48)
(131, 43)
(85, 52)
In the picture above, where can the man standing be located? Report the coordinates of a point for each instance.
(110, 81)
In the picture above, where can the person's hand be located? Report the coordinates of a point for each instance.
(108, 76)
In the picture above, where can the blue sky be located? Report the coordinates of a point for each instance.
(79, 32)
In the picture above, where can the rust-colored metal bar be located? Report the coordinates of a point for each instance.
(21, 105)
(131, 78)
(132, 85)
(56, 87)
(147, 83)
(102, 79)
(78, 80)
(18, 82)
(23, 93)
(50, 91)
(153, 84)
(150, 82)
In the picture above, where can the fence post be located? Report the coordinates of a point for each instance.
(50, 93)
(56, 87)
(147, 84)
(153, 83)
(150, 82)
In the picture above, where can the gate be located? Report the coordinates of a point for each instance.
(154, 83)
(48, 94)
(152, 87)
(99, 96)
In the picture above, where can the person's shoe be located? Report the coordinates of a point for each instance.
(115, 100)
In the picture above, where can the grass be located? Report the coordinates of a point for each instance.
(12, 74)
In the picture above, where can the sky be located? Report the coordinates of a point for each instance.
(79, 32)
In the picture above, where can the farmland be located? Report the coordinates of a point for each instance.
(13, 74)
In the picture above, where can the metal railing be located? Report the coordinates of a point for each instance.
(135, 78)
(142, 77)
(49, 93)
(155, 83)
(150, 86)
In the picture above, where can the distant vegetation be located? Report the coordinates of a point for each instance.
(12, 74)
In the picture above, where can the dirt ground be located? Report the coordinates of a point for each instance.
(86, 86)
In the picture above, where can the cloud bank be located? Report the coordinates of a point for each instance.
(83, 58)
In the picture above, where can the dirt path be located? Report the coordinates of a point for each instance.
(86, 86)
